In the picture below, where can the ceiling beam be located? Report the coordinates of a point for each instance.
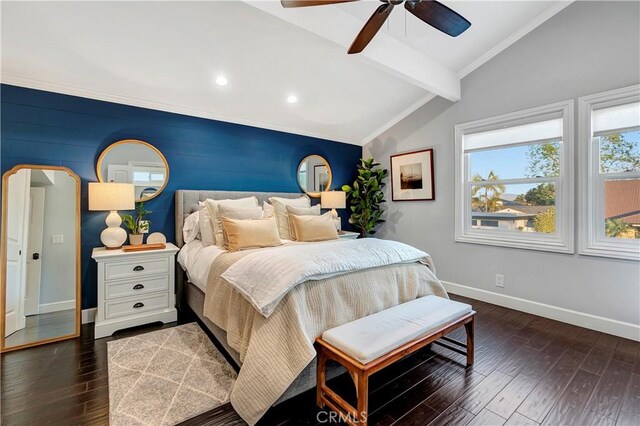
(384, 52)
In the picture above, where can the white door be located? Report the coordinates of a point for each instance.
(119, 173)
(34, 251)
(17, 215)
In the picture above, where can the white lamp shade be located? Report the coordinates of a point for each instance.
(111, 196)
(333, 199)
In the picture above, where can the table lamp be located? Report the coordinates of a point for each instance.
(334, 200)
(112, 197)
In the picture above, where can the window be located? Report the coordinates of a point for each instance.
(514, 177)
(610, 173)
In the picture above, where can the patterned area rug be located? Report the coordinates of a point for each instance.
(166, 376)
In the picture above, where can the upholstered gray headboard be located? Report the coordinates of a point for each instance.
(187, 203)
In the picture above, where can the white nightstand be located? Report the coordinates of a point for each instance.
(346, 235)
(134, 288)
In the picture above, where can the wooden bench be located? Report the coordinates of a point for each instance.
(369, 344)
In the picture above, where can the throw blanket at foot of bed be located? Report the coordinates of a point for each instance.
(274, 350)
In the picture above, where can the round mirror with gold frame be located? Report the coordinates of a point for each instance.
(314, 175)
(40, 256)
(137, 162)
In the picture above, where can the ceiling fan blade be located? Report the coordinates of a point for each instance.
(371, 28)
(304, 3)
(438, 16)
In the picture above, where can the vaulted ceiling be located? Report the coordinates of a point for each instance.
(167, 55)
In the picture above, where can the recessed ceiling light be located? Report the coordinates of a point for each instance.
(221, 80)
(292, 99)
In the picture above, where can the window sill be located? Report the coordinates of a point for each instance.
(612, 251)
(539, 244)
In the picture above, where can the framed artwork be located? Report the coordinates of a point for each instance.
(320, 178)
(412, 176)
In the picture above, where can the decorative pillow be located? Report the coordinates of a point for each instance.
(191, 228)
(250, 233)
(242, 213)
(314, 228)
(301, 211)
(213, 207)
(280, 205)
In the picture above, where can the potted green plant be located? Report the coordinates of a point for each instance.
(366, 197)
(137, 225)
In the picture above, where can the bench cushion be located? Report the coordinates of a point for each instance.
(370, 337)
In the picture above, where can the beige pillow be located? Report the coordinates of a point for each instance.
(301, 211)
(250, 233)
(214, 205)
(314, 228)
(242, 213)
(280, 205)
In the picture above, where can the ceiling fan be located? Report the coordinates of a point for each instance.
(432, 12)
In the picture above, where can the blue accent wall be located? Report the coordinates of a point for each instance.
(48, 128)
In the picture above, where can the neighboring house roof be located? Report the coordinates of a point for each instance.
(511, 213)
(501, 216)
(525, 210)
(622, 200)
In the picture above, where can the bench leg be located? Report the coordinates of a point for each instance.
(320, 377)
(363, 398)
(470, 328)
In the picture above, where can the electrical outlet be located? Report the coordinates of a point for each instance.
(499, 280)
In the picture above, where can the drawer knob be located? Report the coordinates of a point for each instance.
(138, 305)
(138, 268)
(138, 287)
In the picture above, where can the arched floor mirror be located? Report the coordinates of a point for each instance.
(40, 256)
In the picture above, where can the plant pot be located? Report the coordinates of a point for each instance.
(135, 239)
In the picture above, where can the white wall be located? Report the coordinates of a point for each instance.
(587, 48)
(58, 283)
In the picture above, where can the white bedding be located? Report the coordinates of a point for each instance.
(196, 259)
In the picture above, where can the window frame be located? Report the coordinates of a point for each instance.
(593, 241)
(563, 240)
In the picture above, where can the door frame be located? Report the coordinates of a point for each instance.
(3, 256)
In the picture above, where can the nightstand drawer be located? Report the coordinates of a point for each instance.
(136, 305)
(136, 268)
(134, 287)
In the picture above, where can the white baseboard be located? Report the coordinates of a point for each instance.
(45, 308)
(593, 322)
(89, 315)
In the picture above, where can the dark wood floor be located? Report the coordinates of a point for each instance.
(529, 370)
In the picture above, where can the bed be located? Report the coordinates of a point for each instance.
(274, 349)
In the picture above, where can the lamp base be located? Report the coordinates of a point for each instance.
(114, 236)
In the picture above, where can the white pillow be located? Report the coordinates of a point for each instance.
(243, 213)
(304, 211)
(191, 227)
(282, 218)
(206, 227)
(268, 209)
(213, 207)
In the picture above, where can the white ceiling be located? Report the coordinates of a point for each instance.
(491, 22)
(166, 55)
